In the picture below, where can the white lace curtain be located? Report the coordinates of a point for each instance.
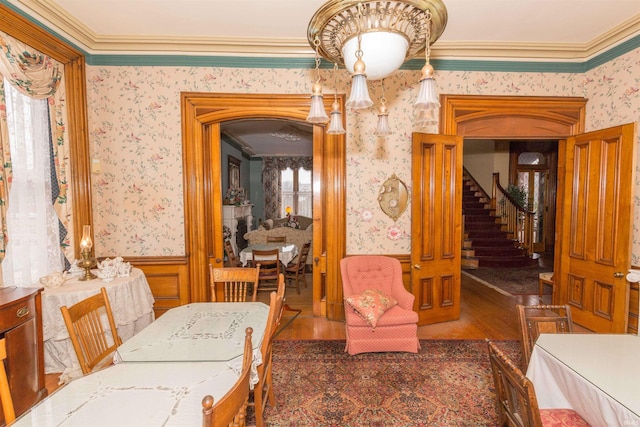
(34, 209)
(33, 250)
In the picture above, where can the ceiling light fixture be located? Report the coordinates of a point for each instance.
(335, 127)
(317, 114)
(373, 38)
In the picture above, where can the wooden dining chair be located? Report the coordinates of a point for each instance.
(5, 392)
(270, 268)
(295, 272)
(263, 390)
(276, 239)
(541, 319)
(516, 397)
(231, 409)
(87, 332)
(235, 281)
(233, 260)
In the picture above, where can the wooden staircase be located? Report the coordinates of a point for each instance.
(486, 243)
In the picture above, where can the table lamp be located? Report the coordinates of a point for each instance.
(87, 262)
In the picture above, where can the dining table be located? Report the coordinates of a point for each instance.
(161, 374)
(597, 375)
(131, 302)
(286, 252)
(200, 332)
(134, 394)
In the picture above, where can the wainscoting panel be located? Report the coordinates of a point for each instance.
(168, 279)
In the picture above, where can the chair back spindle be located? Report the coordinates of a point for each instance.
(87, 332)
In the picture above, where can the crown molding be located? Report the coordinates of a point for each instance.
(95, 45)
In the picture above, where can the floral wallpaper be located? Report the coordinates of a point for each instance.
(134, 120)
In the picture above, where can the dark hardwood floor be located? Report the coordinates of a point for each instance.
(484, 313)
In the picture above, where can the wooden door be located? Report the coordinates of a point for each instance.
(436, 226)
(594, 226)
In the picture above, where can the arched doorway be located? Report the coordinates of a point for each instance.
(513, 117)
(202, 114)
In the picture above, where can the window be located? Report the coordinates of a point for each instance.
(296, 192)
(33, 250)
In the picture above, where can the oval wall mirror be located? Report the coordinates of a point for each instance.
(393, 197)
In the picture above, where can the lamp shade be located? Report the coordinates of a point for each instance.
(425, 118)
(317, 114)
(383, 128)
(359, 97)
(427, 96)
(383, 52)
(335, 127)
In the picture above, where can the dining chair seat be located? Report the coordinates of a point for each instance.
(295, 272)
(270, 268)
(516, 397)
(232, 258)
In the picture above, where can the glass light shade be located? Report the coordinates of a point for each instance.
(427, 96)
(426, 118)
(383, 52)
(383, 125)
(86, 244)
(317, 114)
(359, 97)
(335, 127)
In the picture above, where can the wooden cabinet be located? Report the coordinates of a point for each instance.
(21, 326)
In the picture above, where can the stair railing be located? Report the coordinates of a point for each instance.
(516, 220)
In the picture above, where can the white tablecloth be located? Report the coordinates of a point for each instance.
(131, 302)
(597, 375)
(206, 331)
(287, 252)
(136, 395)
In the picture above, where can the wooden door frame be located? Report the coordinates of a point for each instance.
(515, 117)
(201, 115)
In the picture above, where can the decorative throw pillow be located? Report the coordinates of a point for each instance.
(279, 222)
(371, 304)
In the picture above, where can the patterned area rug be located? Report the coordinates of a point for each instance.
(448, 383)
(510, 281)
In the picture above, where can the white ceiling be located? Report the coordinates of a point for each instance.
(517, 30)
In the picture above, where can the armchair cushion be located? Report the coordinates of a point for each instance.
(397, 328)
(371, 304)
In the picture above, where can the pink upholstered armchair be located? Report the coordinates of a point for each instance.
(397, 328)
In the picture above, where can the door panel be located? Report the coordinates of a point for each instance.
(436, 226)
(595, 220)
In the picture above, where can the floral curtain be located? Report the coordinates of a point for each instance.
(41, 77)
(5, 172)
(271, 167)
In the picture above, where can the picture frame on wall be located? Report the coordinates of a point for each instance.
(233, 167)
